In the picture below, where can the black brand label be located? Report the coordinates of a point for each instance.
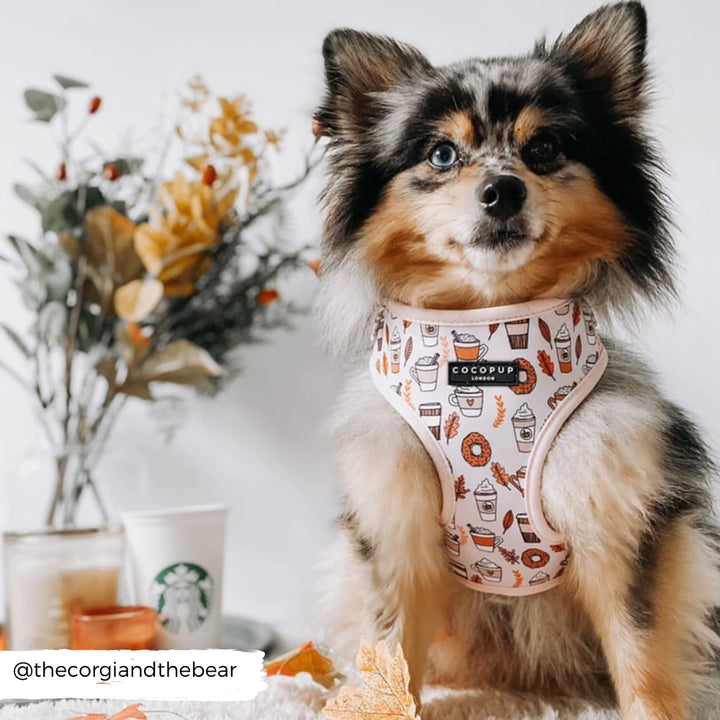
(484, 373)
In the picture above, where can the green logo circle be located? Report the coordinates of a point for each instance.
(183, 594)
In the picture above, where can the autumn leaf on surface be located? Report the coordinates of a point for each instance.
(461, 489)
(129, 713)
(445, 355)
(307, 658)
(501, 411)
(576, 314)
(578, 348)
(510, 555)
(545, 330)
(409, 349)
(384, 693)
(504, 479)
(406, 393)
(508, 521)
(452, 424)
(493, 329)
(518, 578)
(546, 364)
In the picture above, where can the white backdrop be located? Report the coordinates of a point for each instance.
(261, 445)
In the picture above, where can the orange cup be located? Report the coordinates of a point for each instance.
(113, 628)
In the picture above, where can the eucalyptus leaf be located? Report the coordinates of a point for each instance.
(26, 195)
(28, 253)
(51, 323)
(44, 105)
(33, 292)
(16, 340)
(66, 82)
(66, 211)
(58, 278)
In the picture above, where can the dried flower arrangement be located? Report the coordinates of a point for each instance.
(136, 281)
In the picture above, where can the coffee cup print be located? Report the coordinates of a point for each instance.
(452, 542)
(523, 422)
(431, 414)
(486, 501)
(395, 345)
(467, 347)
(425, 372)
(563, 341)
(526, 529)
(560, 394)
(589, 319)
(429, 334)
(488, 570)
(517, 332)
(484, 539)
(590, 363)
(469, 400)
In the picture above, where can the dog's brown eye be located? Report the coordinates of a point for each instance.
(444, 156)
(541, 153)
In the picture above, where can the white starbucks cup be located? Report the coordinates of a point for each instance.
(175, 559)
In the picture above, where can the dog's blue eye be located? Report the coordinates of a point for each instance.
(444, 156)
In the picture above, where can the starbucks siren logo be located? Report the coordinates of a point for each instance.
(183, 595)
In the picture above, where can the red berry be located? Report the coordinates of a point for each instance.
(111, 172)
(95, 103)
(267, 296)
(209, 175)
(61, 172)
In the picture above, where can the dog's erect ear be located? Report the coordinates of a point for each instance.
(357, 65)
(609, 46)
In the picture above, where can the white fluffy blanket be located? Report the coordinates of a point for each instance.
(301, 699)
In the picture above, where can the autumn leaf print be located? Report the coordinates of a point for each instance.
(377, 366)
(558, 547)
(518, 578)
(508, 521)
(409, 349)
(576, 314)
(445, 345)
(387, 334)
(578, 348)
(461, 489)
(493, 329)
(452, 425)
(406, 393)
(559, 573)
(385, 364)
(501, 411)
(406, 325)
(502, 477)
(545, 331)
(509, 555)
(462, 532)
(546, 363)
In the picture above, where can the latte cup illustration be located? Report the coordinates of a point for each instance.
(526, 529)
(452, 542)
(468, 399)
(589, 319)
(523, 422)
(175, 561)
(517, 332)
(563, 341)
(486, 500)
(425, 372)
(429, 334)
(560, 394)
(488, 570)
(431, 414)
(590, 363)
(395, 345)
(484, 539)
(467, 347)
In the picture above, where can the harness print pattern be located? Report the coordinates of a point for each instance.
(483, 438)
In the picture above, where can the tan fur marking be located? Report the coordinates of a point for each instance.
(530, 119)
(458, 127)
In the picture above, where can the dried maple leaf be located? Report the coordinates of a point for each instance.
(384, 694)
(452, 424)
(546, 364)
(307, 658)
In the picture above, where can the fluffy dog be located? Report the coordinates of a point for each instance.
(414, 214)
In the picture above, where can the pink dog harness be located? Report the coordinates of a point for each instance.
(487, 391)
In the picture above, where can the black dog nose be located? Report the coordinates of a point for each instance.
(503, 197)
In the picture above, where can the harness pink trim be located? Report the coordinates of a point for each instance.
(583, 367)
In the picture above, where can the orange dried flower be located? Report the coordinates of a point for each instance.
(267, 296)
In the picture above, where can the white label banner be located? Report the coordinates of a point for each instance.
(131, 675)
